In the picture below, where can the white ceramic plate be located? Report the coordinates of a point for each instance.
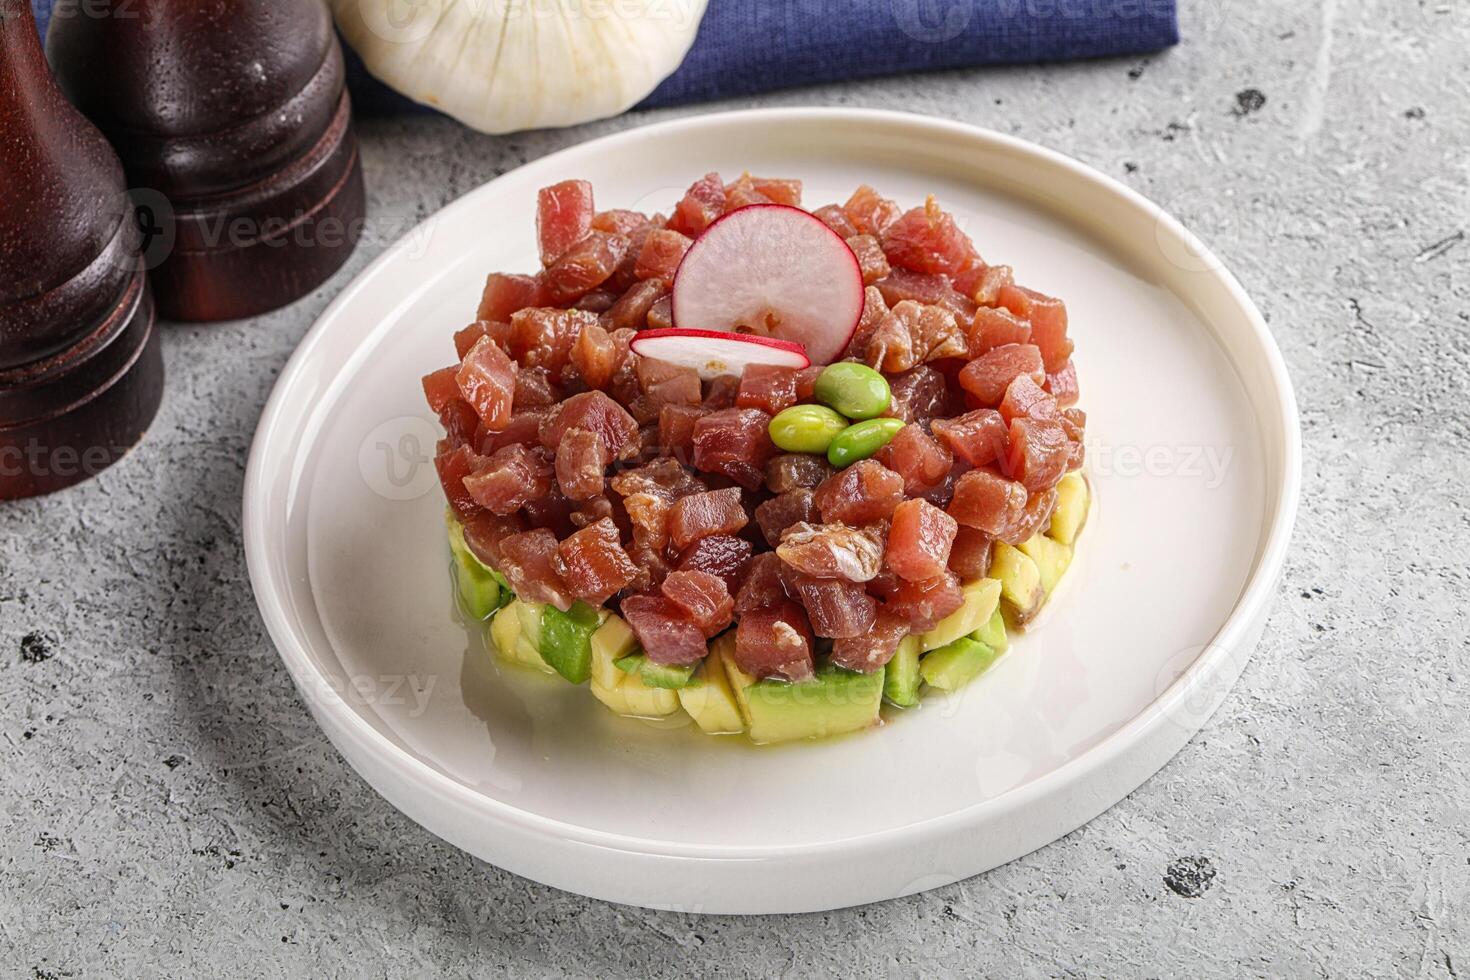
(1194, 456)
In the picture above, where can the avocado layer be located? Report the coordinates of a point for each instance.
(666, 676)
(480, 588)
(952, 667)
(901, 676)
(566, 640)
(833, 702)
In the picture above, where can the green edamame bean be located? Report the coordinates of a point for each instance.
(855, 390)
(861, 440)
(806, 428)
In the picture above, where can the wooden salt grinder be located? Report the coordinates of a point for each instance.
(234, 125)
(81, 376)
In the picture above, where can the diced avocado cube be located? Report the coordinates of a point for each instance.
(835, 701)
(635, 700)
(665, 676)
(708, 696)
(480, 587)
(566, 640)
(613, 640)
(1073, 499)
(505, 629)
(981, 599)
(1020, 580)
(529, 614)
(901, 676)
(993, 633)
(508, 632)
(740, 681)
(952, 667)
(1051, 557)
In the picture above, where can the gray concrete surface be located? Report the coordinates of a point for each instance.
(167, 807)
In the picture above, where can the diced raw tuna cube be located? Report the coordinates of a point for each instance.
(595, 412)
(676, 429)
(875, 311)
(832, 551)
(664, 630)
(835, 218)
(865, 492)
(441, 387)
(454, 463)
(524, 428)
(806, 382)
(927, 240)
(869, 211)
(509, 479)
(663, 477)
(1034, 518)
(660, 256)
(721, 392)
(593, 564)
(978, 437)
(543, 337)
(991, 328)
(719, 554)
(597, 355)
(506, 294)
(915, 456)
(483, 532)
(597, 301)
(586, 265)
(988, 376)
(982, 283)
(918, 395)
(661, 383)
(465, 339)
(734, 442)
(988, 502)
(1038, 455)
(582, 458)
(661, 314)
(796, 471)
(528, 562)
(780, 512)
(768, 388)
(872, 650)
(702, 515)
(1074, 421)
(700, 206)
(535, 390)
(835, 608)
(1027, 399)
(969, 558)
(919, 540)
(901, 285)
(653, 567)
(461, 424)
(620, 222)
(871, 260)
(1048, 319)
(1063, 385)
(704, 598)
(934, 333)
(775, 642)
(762, 587)
(923, 604)
(890, 347)
(630, 312)
(600, 507)
(563, 218)
(487, 380)
(780, 190)
(649, 515)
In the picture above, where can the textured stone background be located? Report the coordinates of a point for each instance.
(168, 807)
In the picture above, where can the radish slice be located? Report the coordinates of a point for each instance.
(716, 352)
(772, 270)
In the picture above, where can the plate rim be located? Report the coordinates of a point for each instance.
(1248, 611)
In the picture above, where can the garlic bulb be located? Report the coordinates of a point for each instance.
(506, 65)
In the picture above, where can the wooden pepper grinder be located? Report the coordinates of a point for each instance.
(81, 375)
(234, 126)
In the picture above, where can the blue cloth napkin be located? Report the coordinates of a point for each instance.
(747, 46)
